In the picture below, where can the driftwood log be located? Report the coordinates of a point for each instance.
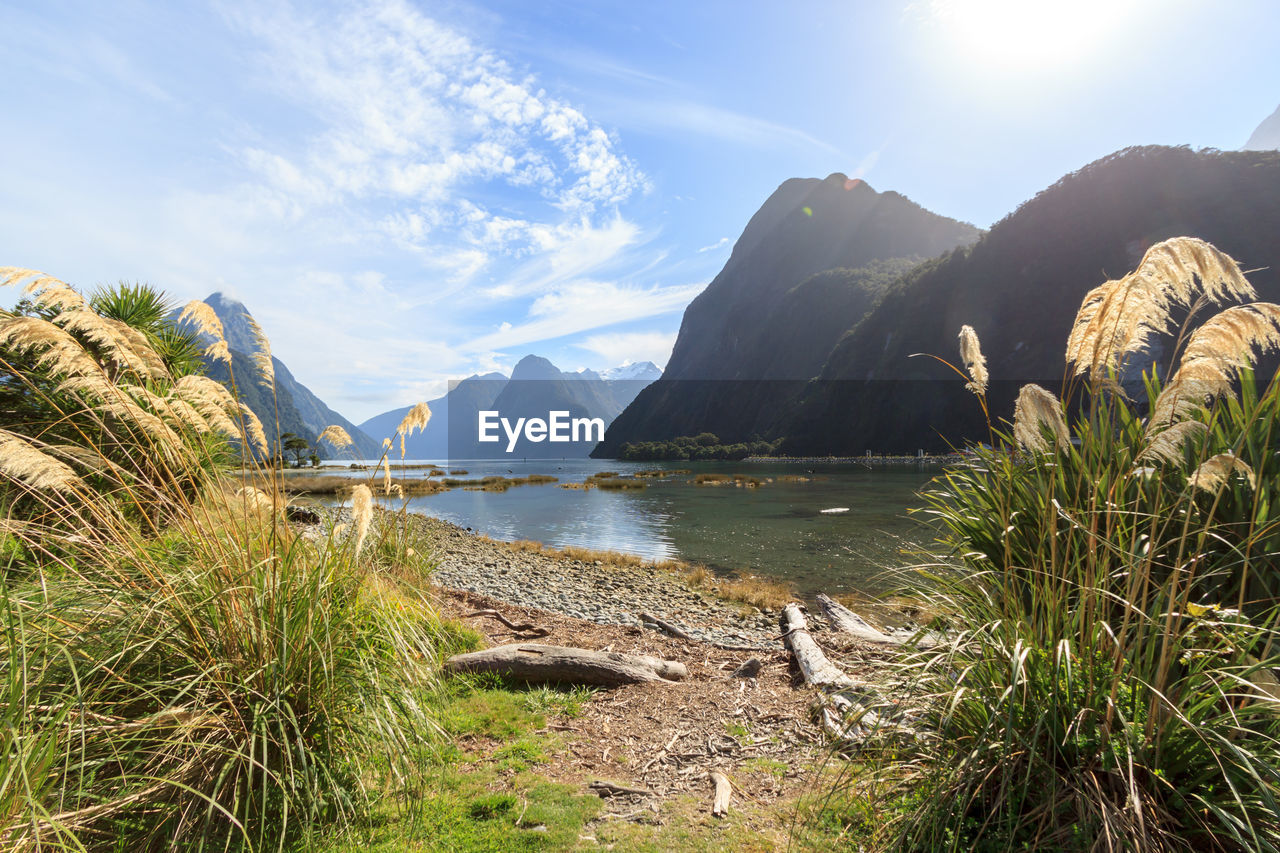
(720, 805)
(536, 663)
(843, 711)
(848, 622)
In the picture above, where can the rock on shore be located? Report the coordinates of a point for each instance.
(597, 591)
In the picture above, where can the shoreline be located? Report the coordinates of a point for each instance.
(592, 590)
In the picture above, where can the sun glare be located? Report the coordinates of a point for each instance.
(1028, 34)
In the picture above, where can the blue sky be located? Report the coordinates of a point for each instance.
(405, 192)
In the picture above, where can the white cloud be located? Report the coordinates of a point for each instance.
(411, 109)
(628, 347)
(585, 305)
(719, 244)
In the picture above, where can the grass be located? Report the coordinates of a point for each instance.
(180, 669)
(1109, 678)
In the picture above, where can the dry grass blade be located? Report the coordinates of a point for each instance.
(24, 462)
(974, 361)
(1214, 472)
(335, 435)
(262, 355)
(1037, 407)
(361, 512)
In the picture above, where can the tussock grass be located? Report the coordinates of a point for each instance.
(179, 669)
(1109, 678)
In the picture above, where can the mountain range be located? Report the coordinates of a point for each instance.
(1019, 285)
(535, 388)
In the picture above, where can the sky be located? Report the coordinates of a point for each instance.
(404, 192)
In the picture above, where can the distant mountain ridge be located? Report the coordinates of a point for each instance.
(1019, 286)
(535, 387)
(1267, 135)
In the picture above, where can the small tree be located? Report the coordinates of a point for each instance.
(295, 444)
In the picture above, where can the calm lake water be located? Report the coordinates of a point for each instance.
(777, 529)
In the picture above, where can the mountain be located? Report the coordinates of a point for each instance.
(1020, 287)
(632, 370)
(472, 394)
(535, 388)
(301, 412)
(1267, 135)
(808, 266)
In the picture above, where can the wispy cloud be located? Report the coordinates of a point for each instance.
(633, 346)
(719, 244)
(585, 305)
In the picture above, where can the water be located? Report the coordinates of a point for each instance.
(777, 529)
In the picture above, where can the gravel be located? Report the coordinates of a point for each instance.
(596, 591)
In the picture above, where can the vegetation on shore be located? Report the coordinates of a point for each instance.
(1110, 676)
(180, 669)
(704, 446)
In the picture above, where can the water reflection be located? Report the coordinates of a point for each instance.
(777, 529)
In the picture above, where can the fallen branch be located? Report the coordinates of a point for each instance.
(843, 711)
(848, 622)
(610, 789)
(539, 664)
(720, 805)
(666, 627)
(528, 628)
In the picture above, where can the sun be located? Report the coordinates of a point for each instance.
(1028, 34)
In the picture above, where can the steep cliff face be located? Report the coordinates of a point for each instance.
(301, 412)
(1020, 287)
(809, 264)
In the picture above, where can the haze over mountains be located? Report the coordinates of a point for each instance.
(535, 388)
(1267, 135)
(1019, 286)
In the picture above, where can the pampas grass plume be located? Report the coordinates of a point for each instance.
(1214, 471)
(361, 512)
(974, 361)
(335, 435)
(416, 418)
(203, 317)
(22, 461)
(262, 355)
(1037, 407)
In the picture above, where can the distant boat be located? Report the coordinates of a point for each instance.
(834, 510)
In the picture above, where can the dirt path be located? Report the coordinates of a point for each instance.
(665, 739)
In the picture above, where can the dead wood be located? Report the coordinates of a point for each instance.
(540, 664)
(528, 628)
(666, 627)
(611, 789)
(848, 622)
(720, 805)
